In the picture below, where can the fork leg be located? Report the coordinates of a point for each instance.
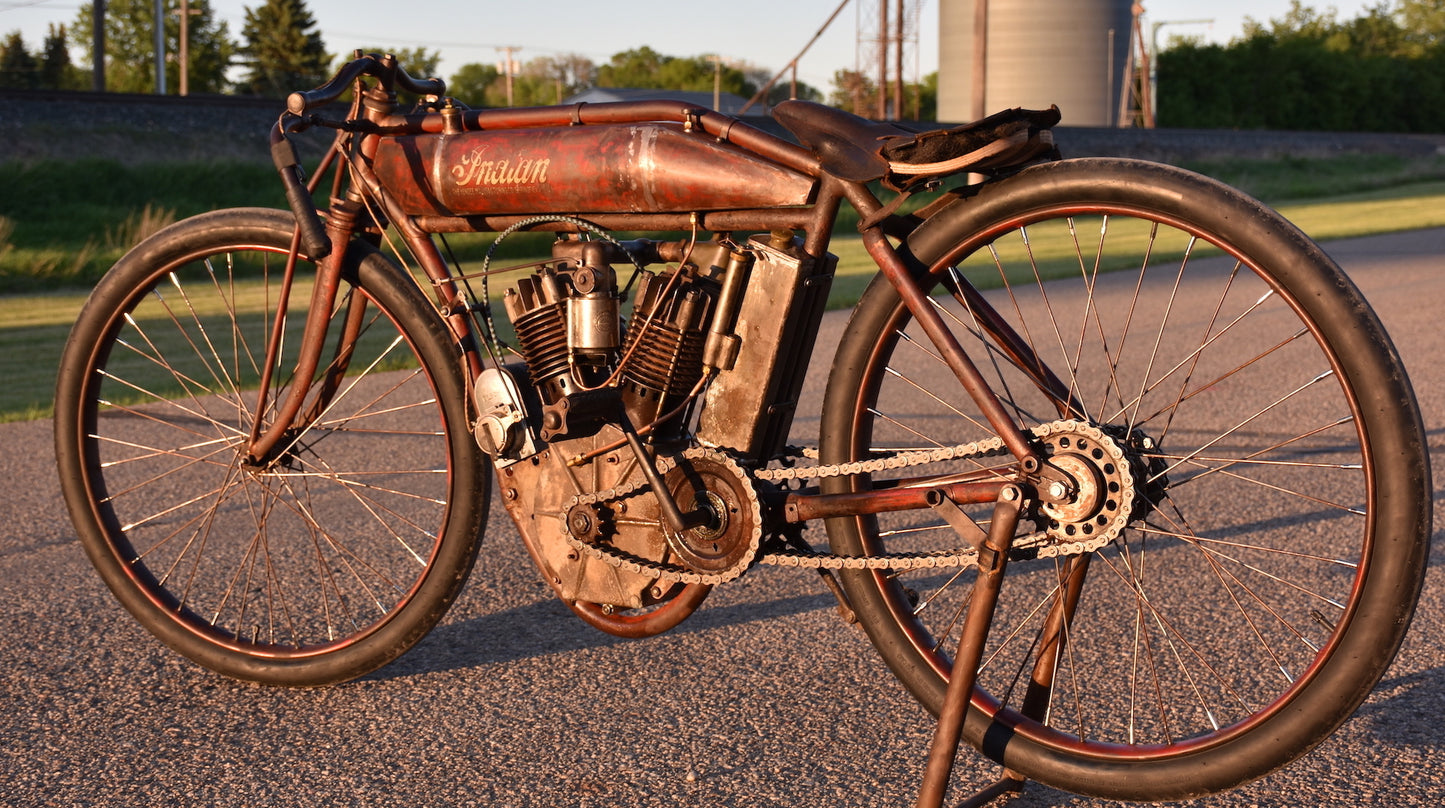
(993, 560)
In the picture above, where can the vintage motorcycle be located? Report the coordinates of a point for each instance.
(1156, 408)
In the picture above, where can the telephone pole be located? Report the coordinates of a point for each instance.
(160, 47)
(506, 52)
(97, 44)
(183, 52)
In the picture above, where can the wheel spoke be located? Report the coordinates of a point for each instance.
(274, 565)
(1219, 472)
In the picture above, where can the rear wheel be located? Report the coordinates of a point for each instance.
(1248, 530)
(317, 564)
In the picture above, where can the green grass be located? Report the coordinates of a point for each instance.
(126, 203)
(1291, 179)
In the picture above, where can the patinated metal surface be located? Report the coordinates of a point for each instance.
(630, 168)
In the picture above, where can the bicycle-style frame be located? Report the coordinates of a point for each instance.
(1264, 451)
(389, 174)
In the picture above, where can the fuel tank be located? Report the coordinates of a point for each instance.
(627, 168)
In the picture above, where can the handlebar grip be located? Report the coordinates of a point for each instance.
(432, 86)
(302, 101)
(313, 233)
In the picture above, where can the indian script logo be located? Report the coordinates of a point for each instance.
(473, 171)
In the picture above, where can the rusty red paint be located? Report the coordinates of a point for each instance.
(627, 168)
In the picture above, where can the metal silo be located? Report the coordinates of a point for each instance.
(1033, 53)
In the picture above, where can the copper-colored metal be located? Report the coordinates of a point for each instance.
(805, 507)
(923, 311)
(313, 338)
(628, 168)
(992, 565)
(1055, 637)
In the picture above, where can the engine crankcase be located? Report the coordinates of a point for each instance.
(537, 493)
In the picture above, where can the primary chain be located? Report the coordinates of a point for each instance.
(656, 569)
(965, 556)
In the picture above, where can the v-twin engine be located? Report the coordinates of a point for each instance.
(588, 365)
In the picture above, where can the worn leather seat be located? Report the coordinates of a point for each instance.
(859, 150)
(848, 146)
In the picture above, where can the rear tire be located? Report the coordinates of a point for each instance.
(1270, 567)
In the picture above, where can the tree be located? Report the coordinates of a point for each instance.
(1423, 22)
(644, 67)
(543, 80)
(417, 62)
(282, 49)
(1382, 71)
(56, 71)
(634, 68)
(471, 82)
(854, 92)
(18, 68)
(786, 89)
(130, 48)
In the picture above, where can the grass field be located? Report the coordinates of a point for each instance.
(51, 248)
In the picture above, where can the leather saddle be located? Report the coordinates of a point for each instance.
(856, 149)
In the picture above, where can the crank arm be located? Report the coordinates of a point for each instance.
(672, 516)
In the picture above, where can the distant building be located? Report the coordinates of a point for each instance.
(728, 103)
(996, 54)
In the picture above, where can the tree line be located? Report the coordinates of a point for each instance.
(280, 49)
(1383, 71)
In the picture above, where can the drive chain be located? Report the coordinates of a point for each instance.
(993, 447)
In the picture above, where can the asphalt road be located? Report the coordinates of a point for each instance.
(762, 698)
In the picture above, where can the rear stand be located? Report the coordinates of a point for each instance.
(1007, 786)
(993, 560)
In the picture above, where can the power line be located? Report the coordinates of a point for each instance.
(33, 3)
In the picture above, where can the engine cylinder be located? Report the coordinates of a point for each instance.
(664, 346)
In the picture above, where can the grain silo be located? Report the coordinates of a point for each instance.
(1033, 53)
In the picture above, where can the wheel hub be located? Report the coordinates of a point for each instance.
(1097, 477)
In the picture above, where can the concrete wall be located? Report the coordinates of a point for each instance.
(142, 129)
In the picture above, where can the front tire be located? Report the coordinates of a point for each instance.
(331, 558)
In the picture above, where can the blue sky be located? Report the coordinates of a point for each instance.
(764, 32)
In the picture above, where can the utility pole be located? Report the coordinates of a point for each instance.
(184, 51)
(506, 52)
(882, 60)
(97, 44)
(898, 60)
(980, 60)
(160, 47)
(716, 82)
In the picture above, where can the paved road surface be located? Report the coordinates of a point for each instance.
(764, 698)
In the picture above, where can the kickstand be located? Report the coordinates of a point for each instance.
(992, 561)
(1008, 785)
(1041, 684)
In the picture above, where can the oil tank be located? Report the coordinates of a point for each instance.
(1033, 53)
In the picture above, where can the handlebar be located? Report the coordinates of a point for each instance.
(391, 75)
(313, 231)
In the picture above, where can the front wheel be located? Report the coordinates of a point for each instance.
(1248, 528)
(335, 553)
